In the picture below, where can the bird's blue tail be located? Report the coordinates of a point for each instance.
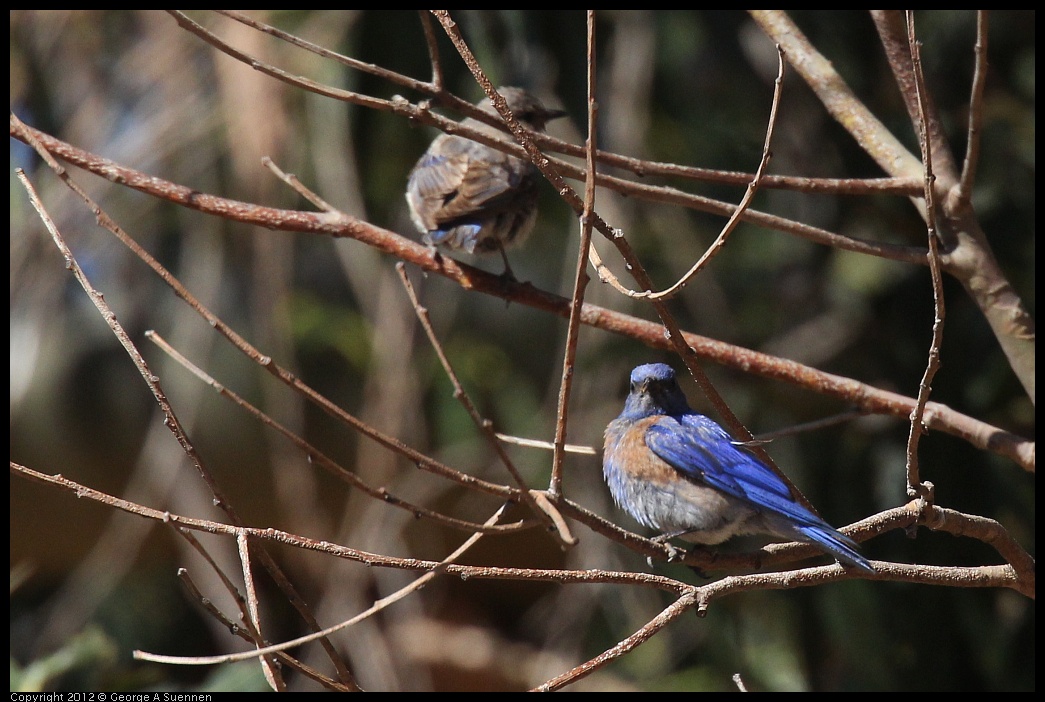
(836, 543)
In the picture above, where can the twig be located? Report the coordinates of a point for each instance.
(877, 141)
(976, 108)
(537, 443)
(915, 487)
(580, 277)
(734, 218)
(268, 662)
(297, 186)
(484, 425)
(433, 50)
(672, 612)
(246, 633)
(893, 32)
(319, 458)
(815, 425)
(376, 607)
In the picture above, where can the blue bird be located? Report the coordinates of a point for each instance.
(679, 472)
(466, 196)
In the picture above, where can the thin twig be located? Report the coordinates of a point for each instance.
(672, 612)
(244, 632)
(319, 458)
(580, 278)
(268, 662)
(892, 28)
(537, 443)
(484, 425)
(297, 186)
(915, 486)
(815, 425)
(433, 50)
(877, 141)
(734, 218)
(376, 607)
(976, 109)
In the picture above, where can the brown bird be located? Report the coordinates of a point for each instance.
(464, 195)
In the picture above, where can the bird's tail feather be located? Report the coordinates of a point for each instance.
(837, 544)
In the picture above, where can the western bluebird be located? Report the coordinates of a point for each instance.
(679, 472)
(465, 195)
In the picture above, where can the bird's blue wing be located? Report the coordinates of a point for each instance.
(701, 450)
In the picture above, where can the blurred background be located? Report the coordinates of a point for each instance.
(89, 585)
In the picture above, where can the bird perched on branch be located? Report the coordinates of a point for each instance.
(467, 196)
(679, 472)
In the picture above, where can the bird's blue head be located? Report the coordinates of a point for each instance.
(654, 390)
